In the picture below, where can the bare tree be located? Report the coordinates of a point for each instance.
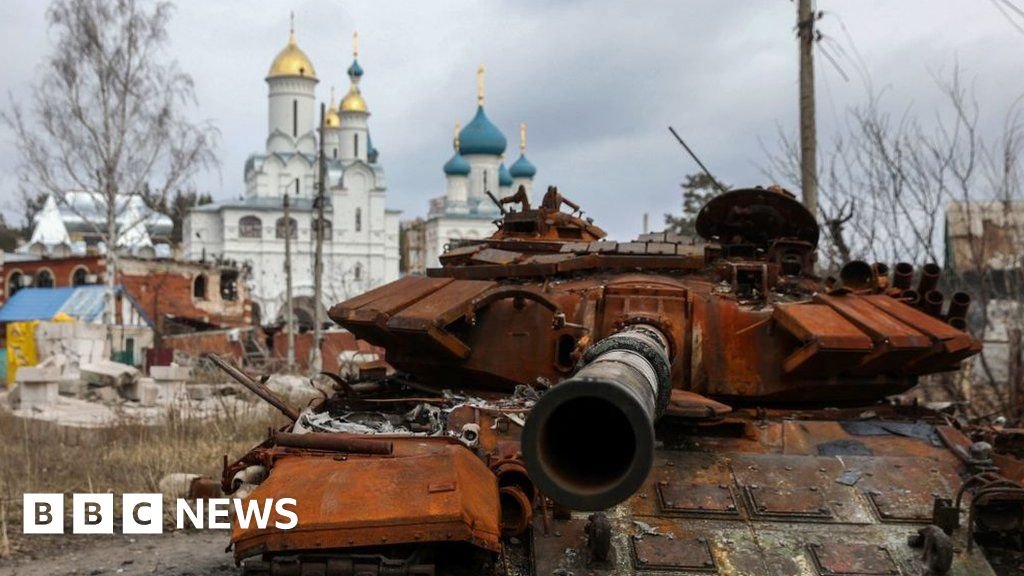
(897, 188)
(108, 119)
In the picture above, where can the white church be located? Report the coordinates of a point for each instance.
(360, 233)
(466, 212)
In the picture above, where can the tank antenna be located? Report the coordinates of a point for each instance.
(697, 160)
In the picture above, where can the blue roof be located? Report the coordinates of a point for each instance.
(84, 303)
(34, 304)
(355, 69)
(480, 136)
(504, 178)
(523, 168)
(456, 166)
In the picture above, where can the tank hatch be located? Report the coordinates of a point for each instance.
(757, 216)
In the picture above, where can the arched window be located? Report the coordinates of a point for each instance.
(80, 276)
(295, 118)
(44, 279)
(290, 227)
(15, 282)
(229, 285)
(355, 145)
(335, 152)
(357, 272)
(326, 228)
(199, 287)
(250, 227)
(359, 219)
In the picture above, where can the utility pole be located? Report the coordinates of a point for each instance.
(316, 359)
(808, 132)
(289, 305)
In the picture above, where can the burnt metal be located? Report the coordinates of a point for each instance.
(257, 388)
(903, 276)
(333, 442)
(588, 443)
(599, 536)
(344, 565)
(776, 448)
(691, 554)
(858, 275)
(932, 303)
(959, 303)
(929, 278)
(697, 499)
(835, 559)
(757, 216)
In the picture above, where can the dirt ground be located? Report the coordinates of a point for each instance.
(170, 554)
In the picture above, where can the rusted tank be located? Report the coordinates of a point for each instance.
(563, 404)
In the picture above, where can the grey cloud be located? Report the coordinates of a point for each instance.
(597, 81)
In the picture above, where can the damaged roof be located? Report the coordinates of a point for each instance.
(83, 303)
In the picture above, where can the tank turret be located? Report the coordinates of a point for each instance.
(556, 402)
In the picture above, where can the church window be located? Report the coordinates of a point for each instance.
(335, 152)
(357, 272)
(80, 276)
(295, 118)
(250, 227)
(44, 279)
(355, 145)
(359, 219)
(289, 227)
(326, 224)
(199, 287)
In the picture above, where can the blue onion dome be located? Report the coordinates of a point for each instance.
(480, 136)
(355, 70)
(457, 166)
(371, 150)
(523, 168)
(504, 178)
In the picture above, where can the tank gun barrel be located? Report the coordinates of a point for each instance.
(589, 441)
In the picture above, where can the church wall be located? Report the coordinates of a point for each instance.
(288, 95)
(481, 164)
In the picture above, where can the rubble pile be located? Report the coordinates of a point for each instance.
(103, 392)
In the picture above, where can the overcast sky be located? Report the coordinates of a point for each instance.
(597, 82)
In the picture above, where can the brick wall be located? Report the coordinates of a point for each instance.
(161, 287)
(62, 270)
(335, 343)
(215, 341)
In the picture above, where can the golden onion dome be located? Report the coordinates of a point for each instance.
(292, 61)
(353, 101)
(331, 119)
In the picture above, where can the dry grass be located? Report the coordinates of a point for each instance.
(127, 457)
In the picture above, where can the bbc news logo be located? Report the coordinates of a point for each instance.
(144, 514)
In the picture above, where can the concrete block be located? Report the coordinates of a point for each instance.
(149, 392)
(172, 372)
(70, 387)
(38, 394)
(170, 391)
(144, 391)
(105, 394)
(177, 484)
(35, 374)
(107, 373)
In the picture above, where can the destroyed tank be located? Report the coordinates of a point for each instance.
(560, 404)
